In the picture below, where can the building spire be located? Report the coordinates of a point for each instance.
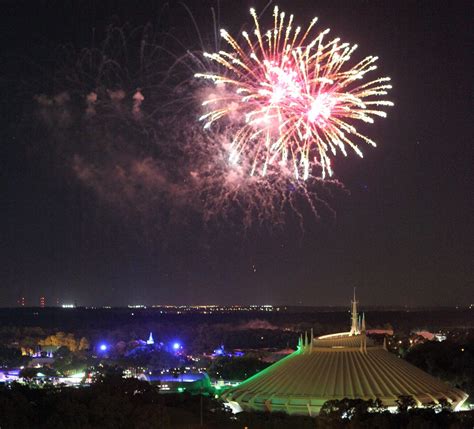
(354, 326)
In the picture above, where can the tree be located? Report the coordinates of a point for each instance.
(377, 406)
(67, 340)
(235, 368)
(346, 408)
(441, 406)
(84, 344)
(69, 363)
(404, 403)
(28, 373)
(11, 357)
(62, 353)
(330, 408)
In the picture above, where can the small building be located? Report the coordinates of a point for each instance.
(38, 362)
(194, 383)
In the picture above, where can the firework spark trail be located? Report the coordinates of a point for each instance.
(126, 125)
(227, 192)
(294, 96)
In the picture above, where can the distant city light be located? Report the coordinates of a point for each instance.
(176, 346)
(103, 347)
(68, 306)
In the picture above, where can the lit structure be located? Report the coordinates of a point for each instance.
(337, 366)
(42, 301)
(212, 309)
(192, 382)
(150, 340)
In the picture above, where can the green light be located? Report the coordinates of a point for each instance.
(181, 389)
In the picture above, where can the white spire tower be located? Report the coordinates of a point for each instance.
(355, 325)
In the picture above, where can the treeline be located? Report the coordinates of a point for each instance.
(360, 414)
(78, 319)
(115, 403)
(199, 333)
(195, 338)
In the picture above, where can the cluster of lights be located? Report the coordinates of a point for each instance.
(175, 346)
(209, 309)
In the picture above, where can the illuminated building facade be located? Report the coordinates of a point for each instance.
(194, 383)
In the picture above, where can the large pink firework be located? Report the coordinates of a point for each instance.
(293, 97)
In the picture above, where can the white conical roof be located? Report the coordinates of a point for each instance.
(335, 367)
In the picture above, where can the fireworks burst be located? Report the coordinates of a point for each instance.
(294, 97)
(122, 115)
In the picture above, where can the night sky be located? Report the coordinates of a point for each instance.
(403, 233)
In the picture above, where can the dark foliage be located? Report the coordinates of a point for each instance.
(10, 357)
(449, 361)
(235, 368)
(113, 402)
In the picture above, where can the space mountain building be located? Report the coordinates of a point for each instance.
(337, 366)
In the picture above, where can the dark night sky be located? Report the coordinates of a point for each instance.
(404, 234)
